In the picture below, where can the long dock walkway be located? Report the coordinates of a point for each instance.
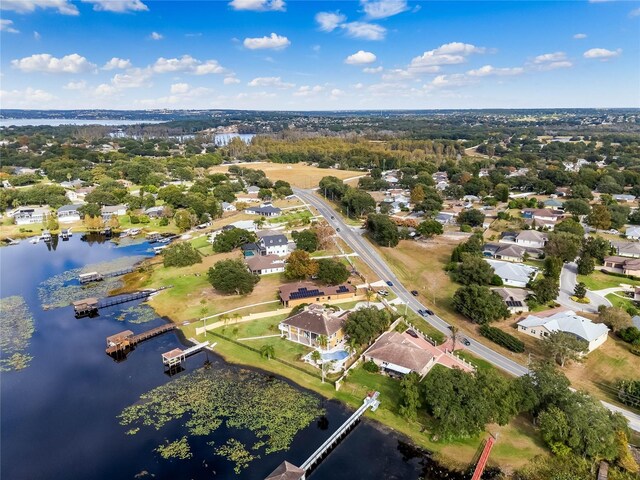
(484, 457)
(176, 356)
(90, 306)
(126, 339)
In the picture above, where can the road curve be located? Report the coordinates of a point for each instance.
(368, 254)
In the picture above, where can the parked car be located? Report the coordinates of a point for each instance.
(389, 283)
(414, 293)
(412, 333)
(384, 293)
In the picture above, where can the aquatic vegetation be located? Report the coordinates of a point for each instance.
(235, 451)
(176, 449)
(208, 398)
(137, 314)
(63, 289)
(16, 329)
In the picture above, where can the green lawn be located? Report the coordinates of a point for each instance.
(479, 363)
(617, 301)
(599, 281)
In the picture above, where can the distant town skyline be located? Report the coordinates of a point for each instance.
(295, 55)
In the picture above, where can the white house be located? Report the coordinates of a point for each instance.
(264, 265)
(266, 211)
(513, 274)
(228, 207)
(446, 218)
(68, 214)
(633, 232)
(595, 334)
(253, 189)
(29, 215)
(109, 210)
(532, 239)
(273, 245)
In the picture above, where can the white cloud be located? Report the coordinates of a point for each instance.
(28, 97)
(274, 82)
(188, 64)
(447, 54)
(372, 70)
(491, 70)
(7, 26)
(376, 9)
(635, 13)
(602, 53)
(80, 85)
(37, 36)
(358, 86)
(336, 93)
(273, 41)
(117, 6)
(117, 64)
(449, 81)
(45, 62)
(134, 78)
(329, 21)
(156, 36)
(364, 30)
(230, 80)
(550, 57)
(258, 5)
(360, 58)
(398, 74)
(105, 90)
(580, 36)
(179, 88)
(28, 6)
(308, 91)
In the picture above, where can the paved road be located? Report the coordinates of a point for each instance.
(568, 284)
(353, 237)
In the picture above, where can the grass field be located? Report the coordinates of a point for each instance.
(298, 175)
(599, 281)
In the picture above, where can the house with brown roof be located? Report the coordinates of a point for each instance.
(313, 322)
(292, 294)
(264, 265)
(624, 265)
(396, 354)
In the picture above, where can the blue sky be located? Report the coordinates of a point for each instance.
(307, 55)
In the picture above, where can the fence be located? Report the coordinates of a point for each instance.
(461, 360)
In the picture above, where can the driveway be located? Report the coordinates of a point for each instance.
(568, 284)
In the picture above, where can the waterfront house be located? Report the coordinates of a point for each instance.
(292, 294)
(154, 212)
(110, 210)
(543, 324)
(265, 265)
(312, 322)
(287, 471)
(396, 353)
(29, 215)
(68, 214)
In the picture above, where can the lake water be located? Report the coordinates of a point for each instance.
(56, 122)
(58, 417)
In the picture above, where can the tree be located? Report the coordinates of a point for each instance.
(472, 217)
(52, 222)
(473, 270)
(181, 255)
(322, 341)
(383, 230)
(429, 228)
(417, 195)
(479, 304)
(501, 192)
(600, 217)
(363, 325)
(231, 276)
(545, 289)
(629, 392)
(564, 347)
(563, 245)
(300, 265)
(227, 240)
(552, 267)
(615, 318)
(577, 207)
(332, 272)
(114, 222)
(580, 290)
(570, 226)
(357, 202)
(596, 247)
(586, 265)
(410, 396)
(306, 240)
(184, 220)
(267, 351)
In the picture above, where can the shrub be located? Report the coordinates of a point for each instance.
(134, 219)
(181, 255)
(502, 338)
(630, 335)
(164, 222)
(371, 366)
(635, 350)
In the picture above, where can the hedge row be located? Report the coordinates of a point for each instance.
(502, 338)
(621, 275)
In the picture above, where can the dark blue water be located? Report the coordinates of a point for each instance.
(58, 416)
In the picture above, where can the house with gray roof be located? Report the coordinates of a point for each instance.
(446, 218)
(509, 253)
(543, 324)
(265, 211)
(276, 244)
(69, 213)
(623, 197)
(513, 274)
(514, 298)
(532, 238)
(633, 232)
(627, 249)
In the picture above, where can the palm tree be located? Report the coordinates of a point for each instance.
(322, 341)
(352, 346)
(369, 294)
(454, 332)
(267, 351)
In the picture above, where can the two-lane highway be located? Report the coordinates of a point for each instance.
(369, 255)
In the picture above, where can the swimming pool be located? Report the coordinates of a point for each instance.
(338, 355)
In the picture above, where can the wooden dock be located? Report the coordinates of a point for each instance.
(90, 306)
(484, 457)
(97, 276)
(175, 357)
(126, 340)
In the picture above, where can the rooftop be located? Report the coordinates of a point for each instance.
(395, 348)
(567, 321)
(294, 291)
(317, 319)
